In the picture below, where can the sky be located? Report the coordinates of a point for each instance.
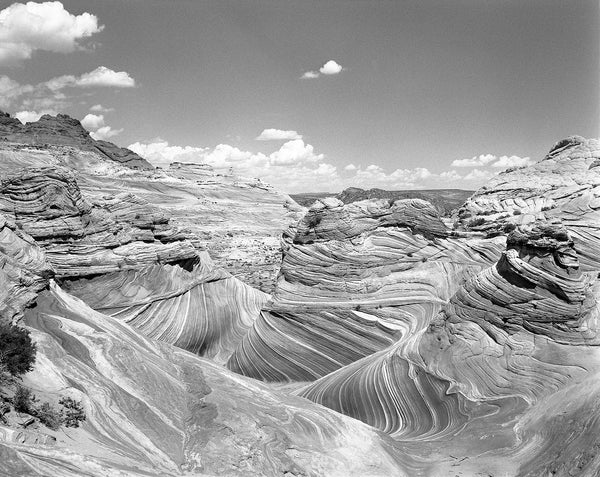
(313, 96)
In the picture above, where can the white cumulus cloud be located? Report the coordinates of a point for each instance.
(105, 132)
(512, 161)
(277, 135)
(476, 161)
(331, 67)
(105, 77)
(26, 27)
(92, 121)
(350, 167)
(32, 116)
(98, 129)
(293, 152)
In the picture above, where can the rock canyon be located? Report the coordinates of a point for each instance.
(210, 325)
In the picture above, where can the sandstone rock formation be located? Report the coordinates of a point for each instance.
(465, 349)
(170, 413)
(62, 130)
(237, 220)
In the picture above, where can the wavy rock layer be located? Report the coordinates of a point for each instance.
(238, 220)
(171, 413)
(564, 187)
(353, 283)
(24, 271)
(191, 305)
(81, 238)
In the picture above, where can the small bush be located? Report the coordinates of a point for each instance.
(23, 400)
(476, 222)
(517, 212)
(509, 227)
(17, 350)
(73, 412)
(313, 220)
(48, 415)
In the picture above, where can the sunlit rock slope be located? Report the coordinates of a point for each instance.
(475, 346)
(237, 220)
(354, 280)
(155, 410)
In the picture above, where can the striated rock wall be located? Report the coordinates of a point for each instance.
(353, 284)
(170, 413)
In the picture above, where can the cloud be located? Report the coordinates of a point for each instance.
(98, 108)
(512, 161)
(331, 67)
(92, 122)
(161, 154)
(104, 133)
(32, 116)
(293, 152)
(46, 26)
(51, 94)
(350, 167)
(295, 166)
(475, 161)
(310, 75)
(97, 127)
(277, 135)
(479, 175)
(104, 77)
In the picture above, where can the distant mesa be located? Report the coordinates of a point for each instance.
(63, 130)
(446, 201)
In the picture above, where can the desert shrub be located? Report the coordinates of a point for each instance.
(48, 415)
(517, 212)
(313, 220)
(546, 207)
(73, 412)
(17, 350)
(23, 400)
(509, 227)
(464, 214)
(476, 222)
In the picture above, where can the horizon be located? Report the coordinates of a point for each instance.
(306, 97)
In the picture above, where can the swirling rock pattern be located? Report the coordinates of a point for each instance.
(238, 220)
(191, 305)
(81, 238)
(352, 282)
(24, 271)
(171, 413)
(564, 187)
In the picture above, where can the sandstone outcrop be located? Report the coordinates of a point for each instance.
(464, 349)
(62, 130)
(169, 412)
(354, 279)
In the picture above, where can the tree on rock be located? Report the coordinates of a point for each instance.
(17, 351)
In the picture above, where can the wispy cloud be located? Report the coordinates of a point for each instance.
(52, 94)
(27, 27)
